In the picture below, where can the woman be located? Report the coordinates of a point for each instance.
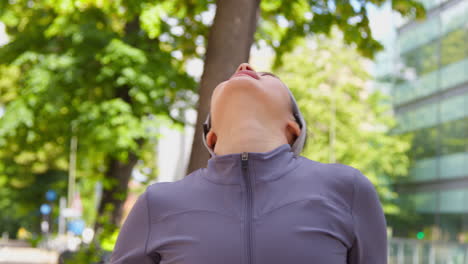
(257, 201)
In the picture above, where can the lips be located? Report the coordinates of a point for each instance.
(246, 72)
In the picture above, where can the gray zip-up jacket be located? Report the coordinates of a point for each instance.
(257, 208)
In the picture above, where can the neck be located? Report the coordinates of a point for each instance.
(248, 137)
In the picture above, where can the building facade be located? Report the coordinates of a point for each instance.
(425, 66)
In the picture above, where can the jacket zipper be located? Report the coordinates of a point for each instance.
(248, 187)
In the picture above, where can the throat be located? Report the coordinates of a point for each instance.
(248, 143)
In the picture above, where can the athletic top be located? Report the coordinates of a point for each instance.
(257, 208)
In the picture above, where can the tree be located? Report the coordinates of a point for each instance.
(281, 24)
(103, 72)
(347, 122)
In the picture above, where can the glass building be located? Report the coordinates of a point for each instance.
(426, 67)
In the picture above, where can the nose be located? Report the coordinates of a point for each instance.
(244, 67)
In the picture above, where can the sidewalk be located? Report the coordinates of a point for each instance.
(24, 255)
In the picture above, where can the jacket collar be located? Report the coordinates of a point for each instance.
(262, 166)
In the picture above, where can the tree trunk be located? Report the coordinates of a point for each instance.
(117, 177)
(229, 42)
(118, 173)
(114, 195)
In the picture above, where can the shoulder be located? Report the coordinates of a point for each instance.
(170, 190)
(337, 181)
(336, 173)
(365, 192)
(166, 197)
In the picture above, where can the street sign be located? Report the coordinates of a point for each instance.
(45, 209)
(45, 227)
(70, 213)
(76, 226)
(88, 234)
(51, 195)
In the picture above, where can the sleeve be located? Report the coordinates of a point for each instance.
(370, 244)
(133, 236)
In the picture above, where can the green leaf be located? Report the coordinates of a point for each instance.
(150, 20)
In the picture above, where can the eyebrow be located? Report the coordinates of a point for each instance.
(269, 73)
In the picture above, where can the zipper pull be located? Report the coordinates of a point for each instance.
(244, 159)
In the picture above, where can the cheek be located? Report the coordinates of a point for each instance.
(276, 91)
(217, 92)
(273, 85)
(217, 89)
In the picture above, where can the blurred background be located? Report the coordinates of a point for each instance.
(100, 98)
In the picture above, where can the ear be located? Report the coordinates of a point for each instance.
(292, 131)
(211, 139)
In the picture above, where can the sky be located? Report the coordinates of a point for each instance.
(3, 36)
(3, 41)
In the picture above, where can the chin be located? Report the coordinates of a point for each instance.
(237, 92)
(239, 83)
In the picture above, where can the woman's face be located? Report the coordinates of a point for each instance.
(250, 94)
(247, 89)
